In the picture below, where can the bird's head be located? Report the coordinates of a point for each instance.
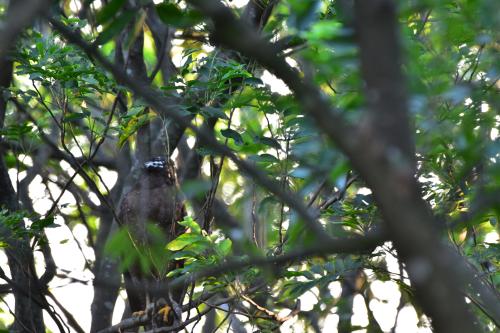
(160, 166)
(158, 163)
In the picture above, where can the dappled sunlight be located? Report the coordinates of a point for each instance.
(249, 166)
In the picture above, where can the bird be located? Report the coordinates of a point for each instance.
(153, 204)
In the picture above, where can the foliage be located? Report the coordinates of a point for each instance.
(62, 103)
(15, 222)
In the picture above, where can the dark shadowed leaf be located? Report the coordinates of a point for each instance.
(303, 13)
(109, 10)
(211, 112)
(115, 27)
(232, 134)
(172, 15)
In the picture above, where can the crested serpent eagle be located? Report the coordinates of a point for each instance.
(153, 204)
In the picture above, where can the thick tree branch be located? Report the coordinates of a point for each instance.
(385, 89)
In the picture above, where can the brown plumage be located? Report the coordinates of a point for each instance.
(153, 200)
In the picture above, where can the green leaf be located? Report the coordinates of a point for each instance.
(114, 28)
(74, 116)
(243, 99)
(183, 254)
(264, 158)
(303, 13)
(134, 110)
(234, 73)
(36, 76)
(108, 11)
(172, 15)
(253, 81)
(212, 112)
(225, 246)
(188, 222)
(232, 134)
(297, 289)
(205, 151)
(183, 240)
(131, 125)
(270, 142)
(120, 244)
(198, 247)
(176, 272)
(305, 274)
(324, 30)
(40, 224)
(338, 170)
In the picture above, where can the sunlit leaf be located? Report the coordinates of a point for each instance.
(188, 222)
(183, 240)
